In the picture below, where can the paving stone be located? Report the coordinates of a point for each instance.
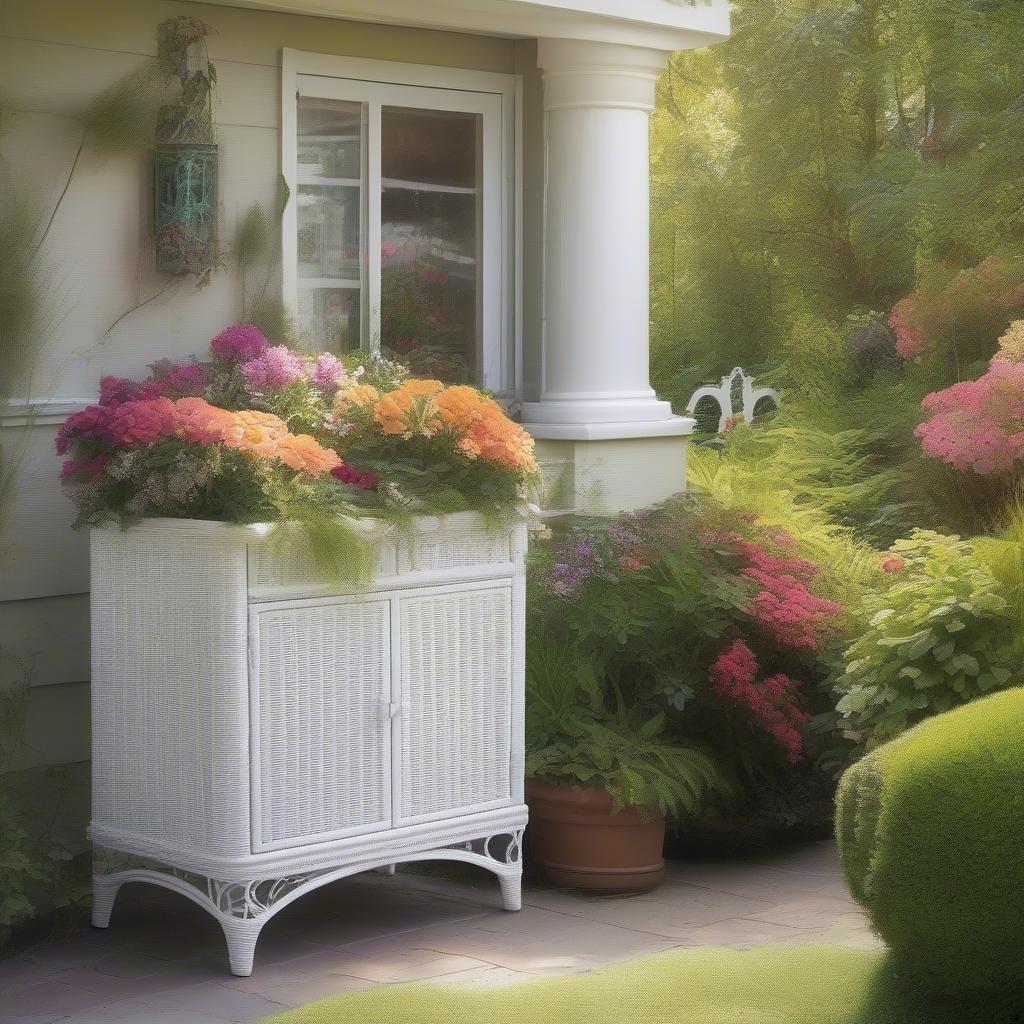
(299, 992)
(132, 1012)
(16, 972)
(217, 1000)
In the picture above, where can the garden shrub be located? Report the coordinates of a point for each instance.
(930, 829)
(939, 635)
(709, 618)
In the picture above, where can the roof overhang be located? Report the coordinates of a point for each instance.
(660, 24)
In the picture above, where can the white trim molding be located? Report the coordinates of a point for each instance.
(660, 24)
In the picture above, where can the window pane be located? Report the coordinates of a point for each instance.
(430, 238)
(330, 228)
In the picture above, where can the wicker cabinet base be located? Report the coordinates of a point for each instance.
(257, 735)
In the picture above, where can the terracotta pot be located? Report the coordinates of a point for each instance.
(578, 841)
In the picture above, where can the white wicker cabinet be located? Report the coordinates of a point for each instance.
(257, 735)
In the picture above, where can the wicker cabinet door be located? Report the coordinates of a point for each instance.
(321, 730)
(453, 736)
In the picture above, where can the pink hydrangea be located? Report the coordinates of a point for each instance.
(274, 369)
(243, 341)
(328, 373)
(978, 425)
(143, 421)
(909, 341)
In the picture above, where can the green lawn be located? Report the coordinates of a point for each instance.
(769, 985)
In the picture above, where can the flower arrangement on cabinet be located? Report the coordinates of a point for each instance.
(262, 433)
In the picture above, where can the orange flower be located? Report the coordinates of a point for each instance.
(301, 452)
(462, 406)
(207, 424)
(361, 395)
(496, 438)
(410, 409)
(262, 433)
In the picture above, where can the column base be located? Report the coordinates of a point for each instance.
(607, 468)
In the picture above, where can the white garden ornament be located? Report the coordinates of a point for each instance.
(722, 394)
(258, 734)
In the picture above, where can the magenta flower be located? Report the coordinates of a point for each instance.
(188, 377)
(328, 373)
(274, 369)
(93, 421)
(363, 479)
(115, 390)
(143, 421)
(243, 341)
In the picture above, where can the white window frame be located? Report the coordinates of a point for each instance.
(373, 81)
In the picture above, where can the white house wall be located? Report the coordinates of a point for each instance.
(56, 56)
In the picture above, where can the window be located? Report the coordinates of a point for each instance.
(398, 233)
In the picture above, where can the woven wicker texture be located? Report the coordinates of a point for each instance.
(454, 548)
(170, 688)
(323, 694)
(455, 730)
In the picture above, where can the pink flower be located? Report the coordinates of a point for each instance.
(909, 342)
(274, 369)
(115, 390)
(978, 425)
(894, 564)
(771, 703)
(363, 479)
(328, 373)
(143, 421)
(187, 377)
(92, 422)
(243, 341)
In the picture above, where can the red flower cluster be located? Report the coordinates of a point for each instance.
(771, 702)
(783, 605)
(363, 479)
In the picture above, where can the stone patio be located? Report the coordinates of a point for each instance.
(163, 960)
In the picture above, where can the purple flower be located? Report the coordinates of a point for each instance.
(243, 341)
(328, 373)
(188, 377)
(115, 390)
(274, 369)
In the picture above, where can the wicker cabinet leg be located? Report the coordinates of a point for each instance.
(511, 891)
(241, 938)
(104, 893)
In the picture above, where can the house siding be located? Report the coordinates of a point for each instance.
(55, 57)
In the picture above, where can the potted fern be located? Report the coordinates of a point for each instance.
(601, 779)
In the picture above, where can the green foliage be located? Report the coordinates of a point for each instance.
(940, 635)
(573, 738)
(929, 829)
(824, 160)
(646, 604)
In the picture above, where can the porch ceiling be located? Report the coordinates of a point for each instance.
(661, 24)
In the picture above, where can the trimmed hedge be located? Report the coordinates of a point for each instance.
(931, 832)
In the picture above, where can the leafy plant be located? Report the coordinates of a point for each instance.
(572, 738)
(941, 635)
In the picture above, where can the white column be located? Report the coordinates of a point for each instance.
(595, 380)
